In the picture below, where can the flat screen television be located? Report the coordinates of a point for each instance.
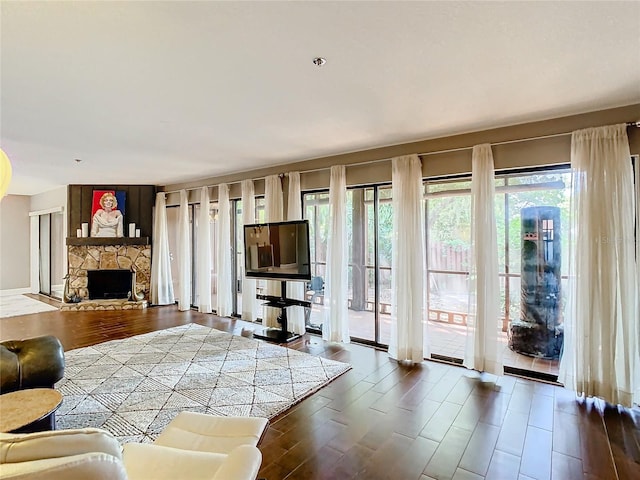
(277, 251)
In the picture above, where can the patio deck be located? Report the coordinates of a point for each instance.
(442, 338)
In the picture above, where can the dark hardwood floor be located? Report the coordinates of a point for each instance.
(386, 420)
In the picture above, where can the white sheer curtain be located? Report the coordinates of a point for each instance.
(601, 324)
(335, 327)
(249, 306)
(161, 283)
(184, 254)
(273, 213)
(295, 315)
(223, 278)
(408, 260)
(483, 350)
(203, 267)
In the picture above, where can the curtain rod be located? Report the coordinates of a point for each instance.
(506, 142)
(210, 186)
(367, 162)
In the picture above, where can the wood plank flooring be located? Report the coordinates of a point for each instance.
(384, 420)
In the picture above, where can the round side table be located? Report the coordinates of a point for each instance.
(29, 410)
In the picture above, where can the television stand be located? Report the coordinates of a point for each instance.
(282, 335)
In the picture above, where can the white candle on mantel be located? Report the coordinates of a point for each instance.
(137, 233)
(132, 230)
(79, 233)
(85, 230)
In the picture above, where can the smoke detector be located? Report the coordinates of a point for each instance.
(319, 61)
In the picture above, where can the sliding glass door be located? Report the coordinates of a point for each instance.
(532, 212)
(172, 227)
(370, 230)
(533, 220)
(448, 211)
(172, 234)
(316, 210)
(236, 248)
(369, 234)
(212, 268)
(45, 254)
(51, 254)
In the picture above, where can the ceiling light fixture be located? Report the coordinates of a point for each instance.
(5, 173)
(319, 61)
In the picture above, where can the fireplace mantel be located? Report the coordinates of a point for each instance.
(107, 240)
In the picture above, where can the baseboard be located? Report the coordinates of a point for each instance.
(14, 291)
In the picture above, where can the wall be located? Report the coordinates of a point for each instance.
(454, 158)
(517, 146)
(138, 209)
(15, 231)
(51, 199)
(14, 242)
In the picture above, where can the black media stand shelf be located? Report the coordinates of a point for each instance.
(282, 335)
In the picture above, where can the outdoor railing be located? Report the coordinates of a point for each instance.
(437, 315)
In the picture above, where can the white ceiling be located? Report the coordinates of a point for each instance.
(166, 92)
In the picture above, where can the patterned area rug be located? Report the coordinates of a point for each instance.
(134, 387)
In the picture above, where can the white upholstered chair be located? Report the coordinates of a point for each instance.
(193, 446)
(209, 433)
(71, 454)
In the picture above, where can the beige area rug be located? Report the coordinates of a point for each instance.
(14, 305)
(134, 387)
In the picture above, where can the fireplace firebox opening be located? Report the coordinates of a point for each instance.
(109, 284)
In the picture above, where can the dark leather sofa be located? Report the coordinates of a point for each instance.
(31, 363)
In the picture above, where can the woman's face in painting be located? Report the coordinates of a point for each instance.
(107, 203)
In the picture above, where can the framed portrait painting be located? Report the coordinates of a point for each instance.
(107, 213)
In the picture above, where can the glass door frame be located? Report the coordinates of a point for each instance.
(237, 223)
(504, 270)
(376, 266)
(56, 250)
(44, 249)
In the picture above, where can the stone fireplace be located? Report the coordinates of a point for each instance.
(83, 258)
(109, 253)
